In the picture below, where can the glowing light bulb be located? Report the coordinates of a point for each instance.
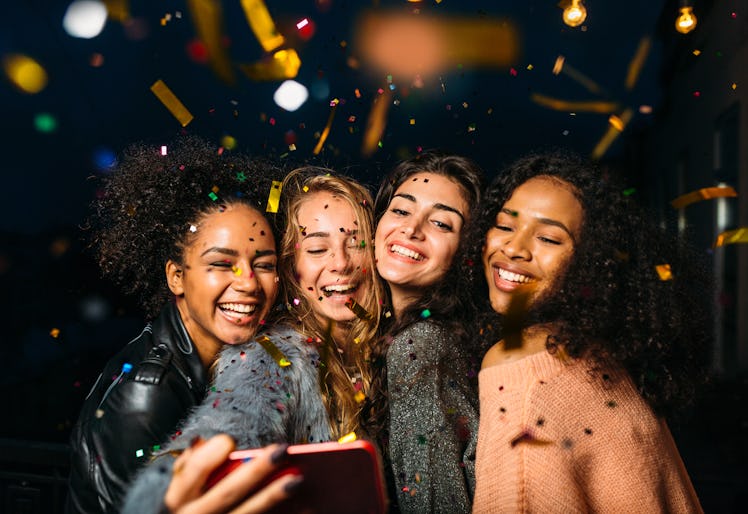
(575, 13)
(686, 20)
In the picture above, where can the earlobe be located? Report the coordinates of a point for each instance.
(174, 277)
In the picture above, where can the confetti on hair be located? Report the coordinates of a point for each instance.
(326, 131)
(739, 235)
(706, 193)
(425, 313)
(240, 176)
(663, 270)
(273, 350)
(274, 196)
(348, 438)
(359, 396)
(193, 228)
(357, 309)
(213, 196)
(171, 102)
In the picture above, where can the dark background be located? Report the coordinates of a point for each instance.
(48, 281)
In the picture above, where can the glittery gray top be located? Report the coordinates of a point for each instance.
(433, 421)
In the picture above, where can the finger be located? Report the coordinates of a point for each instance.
(271, 495)
(188, 480)
(242, 481)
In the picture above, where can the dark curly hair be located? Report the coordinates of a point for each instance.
(611, 305)
(148, 202)
(449, 300)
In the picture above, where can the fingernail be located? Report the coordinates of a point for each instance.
(294, 484)
(279, 454)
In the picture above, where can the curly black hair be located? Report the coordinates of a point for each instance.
(448, 301)
(148, 202)
(612, 304)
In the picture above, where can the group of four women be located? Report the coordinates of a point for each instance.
(387, 308)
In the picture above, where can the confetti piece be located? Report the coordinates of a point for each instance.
(425, 313)
(739, 235)
(126, 367)
(357, 309)
(348, 438)
(99, 413)
(326, 131)
(171, 102)
(663, 270)
(55, 332)
(706, 193)
(274, 196)
(630, 191)
(139, 453)
(273, 350)
(262, 24)
(359, 397)
(237, 271)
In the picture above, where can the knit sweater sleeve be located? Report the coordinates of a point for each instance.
(432, 415)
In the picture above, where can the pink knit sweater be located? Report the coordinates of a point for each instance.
(556, 437)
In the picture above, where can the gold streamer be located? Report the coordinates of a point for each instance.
(207, 15)
(171, 102)
(706, 193)
(274, 196)
(357, 309)
(728, 237)
(262, 24)
(326, 132)
(273, 350)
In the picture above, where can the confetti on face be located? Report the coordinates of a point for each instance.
(357, 309)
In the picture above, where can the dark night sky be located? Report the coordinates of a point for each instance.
(45, 175)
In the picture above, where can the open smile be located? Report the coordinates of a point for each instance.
(406, 252)
(339, 289)
(238, 312)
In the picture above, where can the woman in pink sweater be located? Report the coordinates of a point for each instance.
(605, 330)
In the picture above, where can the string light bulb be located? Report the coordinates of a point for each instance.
(575, 13)
(686, 20)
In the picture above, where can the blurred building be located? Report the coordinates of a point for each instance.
(696, 143)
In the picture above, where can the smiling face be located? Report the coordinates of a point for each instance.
(329, 259)
(227, 282)
(532, 243)
(419, 233)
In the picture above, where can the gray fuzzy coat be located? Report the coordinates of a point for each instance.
(254, 400)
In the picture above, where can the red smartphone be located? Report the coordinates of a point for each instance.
(339, 478)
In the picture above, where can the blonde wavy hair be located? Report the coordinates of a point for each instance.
(336, 366)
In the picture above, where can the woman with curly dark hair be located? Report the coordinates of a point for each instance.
(425, 412)
(186, 233)
(604, 330)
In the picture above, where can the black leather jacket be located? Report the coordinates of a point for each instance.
(136, 404)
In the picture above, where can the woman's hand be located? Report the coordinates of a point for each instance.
(238, 492)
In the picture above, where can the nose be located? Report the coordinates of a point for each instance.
(412, 227)
(340, 261)
(515, 247)
(245, 280)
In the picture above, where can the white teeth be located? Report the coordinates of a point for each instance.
(241, 308)
(513, 277)
(407, 253)
(339, 288)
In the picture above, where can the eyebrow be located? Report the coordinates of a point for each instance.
(545, 221)
(327, 234)
(440, 206)
(234, 253)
